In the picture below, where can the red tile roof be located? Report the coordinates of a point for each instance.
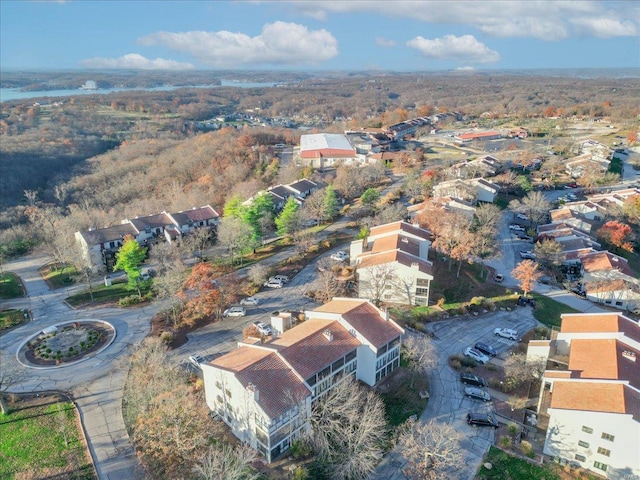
(403, 226)
(365, 318)
(308, 350)
(591, 396)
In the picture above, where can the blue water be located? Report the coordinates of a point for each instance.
(7, 94)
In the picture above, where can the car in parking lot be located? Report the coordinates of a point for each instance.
(280, 278)
(480, 419)
(471, 379)
(516, 227)
(528, 254)
(249, 301)
(486, 349)
(340, 256)
(263, 328)
(234, 312)
(506, 333)
(475, 355)
(477, 394)
(498, 278)
(196, 360)
(273, 283)
(522, 216)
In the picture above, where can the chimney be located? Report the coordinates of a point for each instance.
(328, 335)
(253, 389)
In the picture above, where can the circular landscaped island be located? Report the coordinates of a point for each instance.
(66, 343)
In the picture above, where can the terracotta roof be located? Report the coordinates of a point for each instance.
(372, 259)
(560, 214)
(557, 374)
(593, 358)
(591, 396)
(364, 318)
(308, 350)
(606, 285)
(278, 386)
(599, 261)
(396, 242)
(401, 225)
(471, 136)
(590, 322)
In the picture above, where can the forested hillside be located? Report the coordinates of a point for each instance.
(100, 158)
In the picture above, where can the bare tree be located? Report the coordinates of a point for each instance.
(258, 273)
(421, 353)
(433, 450)
(167, 286)
(348, 431)
(375, 280)
(326, 286)
(519, 371)
(230, 463)
(535, 205)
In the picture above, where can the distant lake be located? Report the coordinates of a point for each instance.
(7, 94)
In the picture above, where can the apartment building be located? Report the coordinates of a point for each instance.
(264, 391)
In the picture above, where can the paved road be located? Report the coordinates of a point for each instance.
(95, 383)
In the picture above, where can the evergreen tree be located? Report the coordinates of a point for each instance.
(128, 259)
(330, 203)
(288, 217)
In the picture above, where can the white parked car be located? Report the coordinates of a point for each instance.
(234, 312)
(340, 256)
(196, 360)
(273, 283)
(506, 333)
(528, 255)
(522, 216)
(477, 355)
(249, 301)
(280, 278)
(262, 327)
(517, 228)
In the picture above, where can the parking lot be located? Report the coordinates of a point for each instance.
(447, 401)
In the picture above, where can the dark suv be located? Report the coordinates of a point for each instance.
(484, 348)
(471, 379)
(478, 419)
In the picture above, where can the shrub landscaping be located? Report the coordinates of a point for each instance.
(11, 318)
(508, 466)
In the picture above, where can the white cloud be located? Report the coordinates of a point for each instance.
(604, 27)
(465, 69)
(385, 42)
(542, 19)
(464, 48)
(137, 62)
(279, 43)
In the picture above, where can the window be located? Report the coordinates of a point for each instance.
(350, 356)
(587, 429)
(604, 451)
(580, 458)
(311, 381)
(608, 436)
(583, 444)
(618, 302)
(423, 292)
(228, 393)
(337, 364)
(600, 466)
(218, 386)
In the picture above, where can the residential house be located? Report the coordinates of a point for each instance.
(577, 166)
(392, 264)
(471, 190)
(609, 280)
(486, 166)
(265, 391)
(518, 132)
(99, 245)
(590, 393)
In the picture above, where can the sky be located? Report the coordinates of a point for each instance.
(348, 35)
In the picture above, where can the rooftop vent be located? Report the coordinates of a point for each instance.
(328, 334)
(630, 355)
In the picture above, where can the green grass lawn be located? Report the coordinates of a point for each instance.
(10, 318)
(58, 278)
(505, 466)
(10, 286)
(548, 311)
(42, 441)
(102, 294)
